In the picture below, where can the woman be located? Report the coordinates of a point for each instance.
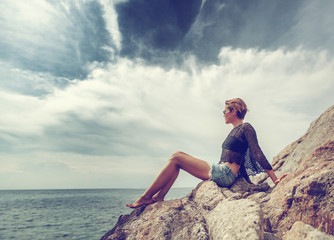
(241, 156)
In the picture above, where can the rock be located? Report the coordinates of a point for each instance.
(319, 132)
(301, 206)
(206, 196)
(301, 231)
(201, 215)
(305, 195)
(239, 220)
(271, 236)
(175, 219)
(223, 208)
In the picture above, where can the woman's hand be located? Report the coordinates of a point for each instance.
(283, 176)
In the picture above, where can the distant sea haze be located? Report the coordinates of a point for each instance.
(66, 214)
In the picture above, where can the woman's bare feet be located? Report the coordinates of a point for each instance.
(142, 201)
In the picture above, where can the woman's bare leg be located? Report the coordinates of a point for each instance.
(160, 196)
(168, 175)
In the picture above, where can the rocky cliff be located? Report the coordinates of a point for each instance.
(300, 207)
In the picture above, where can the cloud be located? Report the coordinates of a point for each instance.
(211, 25)
(130, 114)
(110, 16)
(154, 30)
(72, 105)
(60, 38)
(204, 27)
(130, 108)
(313, 27)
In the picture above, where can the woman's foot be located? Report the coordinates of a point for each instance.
(142, 201)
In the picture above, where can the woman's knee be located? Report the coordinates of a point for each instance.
(175, 157)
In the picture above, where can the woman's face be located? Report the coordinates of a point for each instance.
(228, 115)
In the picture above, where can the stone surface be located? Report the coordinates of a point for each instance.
(301, 206)
(174, 219)
(201, 215)
(320, 131)
(305, 195)
(301, 231)
(238, 220)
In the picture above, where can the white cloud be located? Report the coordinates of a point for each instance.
(124, 120)
(33, 23)
(110, 16)
(58, 38)
(154, 112)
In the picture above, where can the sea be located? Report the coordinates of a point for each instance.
(66, 214)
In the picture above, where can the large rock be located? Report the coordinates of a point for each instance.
(320, 131)
(305, 195)
(239, 219)
(301, 231)
(201, 215)
(175, 219)
(301, 206)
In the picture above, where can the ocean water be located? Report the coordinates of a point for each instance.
(66, 214)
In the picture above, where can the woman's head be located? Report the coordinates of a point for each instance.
(238, 105)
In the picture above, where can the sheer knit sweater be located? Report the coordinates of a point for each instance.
(241, 147)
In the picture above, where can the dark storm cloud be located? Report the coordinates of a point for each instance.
(152, 29)
(160, 24)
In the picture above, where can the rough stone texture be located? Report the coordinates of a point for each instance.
(301, 231)
(305, 195)
(320, 131)
(201, 215)
(247, 211)
(238, 220)
(174, 219)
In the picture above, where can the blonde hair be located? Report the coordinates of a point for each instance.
(239, 105)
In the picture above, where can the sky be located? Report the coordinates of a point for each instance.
(100, 93)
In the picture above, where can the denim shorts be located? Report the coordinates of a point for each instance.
(222, 175)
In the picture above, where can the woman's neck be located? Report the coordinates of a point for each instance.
(237, 123)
